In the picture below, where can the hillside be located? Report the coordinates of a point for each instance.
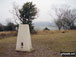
(45, 44)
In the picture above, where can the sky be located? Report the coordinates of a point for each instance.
(44, 7)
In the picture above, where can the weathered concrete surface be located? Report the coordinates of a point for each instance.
(24, 39)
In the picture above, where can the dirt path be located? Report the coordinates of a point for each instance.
(40, 51)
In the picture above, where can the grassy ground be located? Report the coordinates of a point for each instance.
(45, 43)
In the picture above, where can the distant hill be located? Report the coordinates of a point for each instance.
(42, 25)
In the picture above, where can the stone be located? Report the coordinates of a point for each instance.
(24, 39)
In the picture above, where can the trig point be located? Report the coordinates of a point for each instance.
(24, 39)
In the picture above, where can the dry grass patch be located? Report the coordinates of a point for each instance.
(45, 43)
(58, 41)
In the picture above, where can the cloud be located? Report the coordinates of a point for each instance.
(44, 7)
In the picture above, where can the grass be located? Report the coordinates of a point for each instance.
(59, 41)
(4, 43)
(55, 40)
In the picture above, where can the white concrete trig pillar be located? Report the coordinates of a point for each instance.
(24, 39)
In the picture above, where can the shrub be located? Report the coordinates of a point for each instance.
(46, 28)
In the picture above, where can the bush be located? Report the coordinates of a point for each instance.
(34, 32)
(1, 27)
(46, 28)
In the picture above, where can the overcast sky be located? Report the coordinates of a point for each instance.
(44, 7)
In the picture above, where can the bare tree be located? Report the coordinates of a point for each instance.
(16, 13)
(58, 23)
(65, 17)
